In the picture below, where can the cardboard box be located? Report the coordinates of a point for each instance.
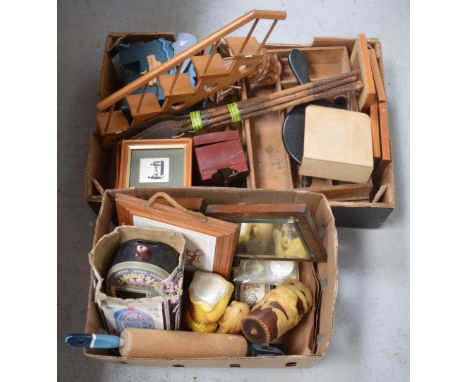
(327, 273)
(268, 161)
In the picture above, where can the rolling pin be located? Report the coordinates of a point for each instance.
(155, 343)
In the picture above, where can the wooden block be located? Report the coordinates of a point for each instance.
(384, 140)
(337, 145)
(378, 82)
(360, 60)
(219, 156)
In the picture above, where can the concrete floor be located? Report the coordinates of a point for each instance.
(371, 335)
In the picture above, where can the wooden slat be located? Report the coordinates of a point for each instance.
(375, 127)
(360, 60)
(384, 140)
(350, 191)
(378, 82)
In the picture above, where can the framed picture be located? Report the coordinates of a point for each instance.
(155, 163)
(210, 243)
(273, 231)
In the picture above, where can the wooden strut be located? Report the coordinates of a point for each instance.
(214, 47)
(266, 36)
(175, 80)
(248, 36)
(109, 117)
(141, 98)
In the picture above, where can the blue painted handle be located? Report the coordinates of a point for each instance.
(95, 341)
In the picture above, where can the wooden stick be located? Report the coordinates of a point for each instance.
(248, 36)
(214, 112)
(141, 98)
(310, 98)
(273, 24)
(214, 48)
(279, 101)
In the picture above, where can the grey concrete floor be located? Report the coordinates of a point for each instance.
(371, 335)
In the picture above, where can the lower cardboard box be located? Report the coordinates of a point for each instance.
(270, 165)
(306, 343)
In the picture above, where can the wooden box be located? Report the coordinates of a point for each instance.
(261, 136)
(338, 145)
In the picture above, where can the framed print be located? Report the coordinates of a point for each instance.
(155, 163)
(210, 243)
(273, 231)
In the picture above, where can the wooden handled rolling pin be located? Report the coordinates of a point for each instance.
(155, 343)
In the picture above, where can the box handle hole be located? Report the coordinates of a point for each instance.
(290, 364)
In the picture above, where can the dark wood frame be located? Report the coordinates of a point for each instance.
(127, 146)
(299, 212)
(226, 233)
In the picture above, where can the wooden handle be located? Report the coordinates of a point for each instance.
(155, 343)
(174, 204)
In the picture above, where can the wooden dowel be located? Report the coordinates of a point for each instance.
(212, 53)
(266, 36)
(317, 86)
(141, 98)
(179, 68)
(310, 98)
(109, 117)
(213, 112)
(248, 36)
(281, 100)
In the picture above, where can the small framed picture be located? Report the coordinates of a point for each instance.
(155, 163)
(210, 243)
(273, 231)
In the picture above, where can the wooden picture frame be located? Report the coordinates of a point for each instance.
(210, 243)
(160, 163)
(287, 213)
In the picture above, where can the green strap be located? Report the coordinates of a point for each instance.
(196, 119)
(235, 112)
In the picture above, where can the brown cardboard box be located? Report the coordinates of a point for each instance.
(261, 136)
(301, 335)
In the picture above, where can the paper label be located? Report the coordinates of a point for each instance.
(154, 170)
